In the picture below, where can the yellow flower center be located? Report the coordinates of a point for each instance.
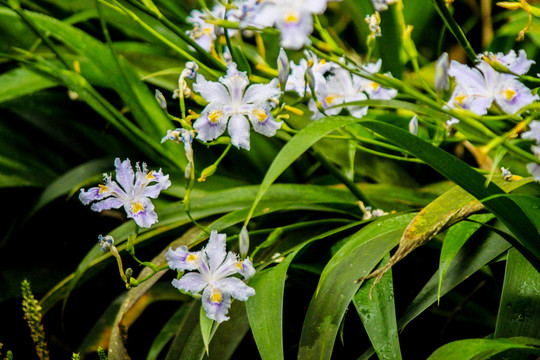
(291, 18)
(137, 207)
(102, 189)
(374, 85)
(192, 258)
(460, 99)
(329, 99)
(509, 94)
(260, 115)
(216, 296)
(239, 265)
(215, 115)
(150, 175)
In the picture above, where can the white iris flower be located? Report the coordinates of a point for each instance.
(232, 103)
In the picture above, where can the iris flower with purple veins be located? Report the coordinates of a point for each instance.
(215, 277)
(374, 90)
(294, 19)
(204, 33)
(479, 87)
(232, 103)
(340, 87)
(133, 191)
(297, 79)
(533, 133)
(518, 64)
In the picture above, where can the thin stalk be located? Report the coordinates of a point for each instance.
(163, 39)
(454, 28)
(16, 7)
(177, 31)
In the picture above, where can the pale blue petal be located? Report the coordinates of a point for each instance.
(239, 131)
(87, 196)
(262, 120)
(228, 267)
(295, 34)
(142, 211)
(260, 93)
(211, 123)
(182, 259)
(215, 250)
(246, 269)
(236, 82)
(236, 288)
(512, 95)
(107, 204)
(534, 170)
(124, 174)
(534, 132)
(211, 91)
(216, 310)
(191, 282)
(467, 77)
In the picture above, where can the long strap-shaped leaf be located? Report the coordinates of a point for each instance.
(299, 144)
(463, 175)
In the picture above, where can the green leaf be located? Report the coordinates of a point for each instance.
(230, 333)
(519, 310)
(463, 175)
(71, 180)
(20, 82)
(265, 309)
(299, 144)
(356, 258)
(167, 333)
(471, 257)
(377, 311)
(188, 336)
(206, 325)
(455, 238)
(479, 349)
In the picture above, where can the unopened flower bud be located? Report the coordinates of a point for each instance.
(105, 242)
(283, 68)
(209, 171)
(310, 79)
(413, 125)
(161, 99)
(243, 242)
(441, 73)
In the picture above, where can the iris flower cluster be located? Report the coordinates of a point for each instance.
(294, 19)
(334, 86)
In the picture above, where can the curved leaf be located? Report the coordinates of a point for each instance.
(378, 313)
(299, 144)
(357, 257)
(265, 309)
(463, 175)
(479, 349)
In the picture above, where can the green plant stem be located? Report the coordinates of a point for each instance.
(341, 177)
(133, 282)
(177, 31)
(36, 31)
(454, 28)
(163, 39)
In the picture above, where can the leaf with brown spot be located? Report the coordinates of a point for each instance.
(450, 208)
